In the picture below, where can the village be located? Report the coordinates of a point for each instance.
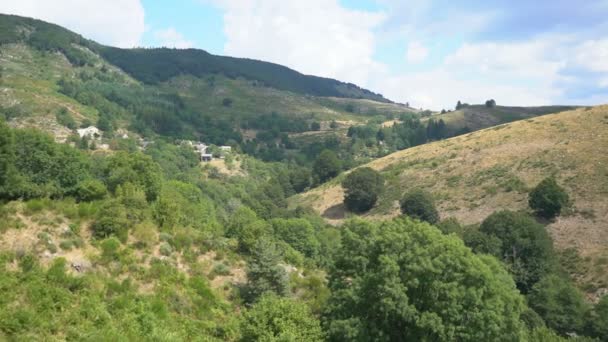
(206, 153)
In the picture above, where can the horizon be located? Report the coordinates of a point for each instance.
(517, 53)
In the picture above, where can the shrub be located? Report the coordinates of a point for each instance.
(419, 204)
(220, 269)
(109, 249)
(145, 234)
(90, 190)
(280, 319)
(361, 189)
(166, 249)
(548, 199)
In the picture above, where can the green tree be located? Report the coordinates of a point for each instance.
(91, 190)
(300, 177)
(403, 280)
(548, 199)
(111, 221)
(559, 303)
(298, 233)
(419, 204)
(264, 274)
(326, 166)
(525, 246)
(597, 322)
(7, 157)
(279, 319)
(315, 126)
(135, 168)
(362, 188)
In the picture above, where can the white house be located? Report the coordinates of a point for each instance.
(90, 132)
(201, 148)
(225, 148)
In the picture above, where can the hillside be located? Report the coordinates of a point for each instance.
(473, 175)
(48, 72)
(157, 65)
(476, 117)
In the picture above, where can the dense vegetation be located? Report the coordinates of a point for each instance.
(390, 281)
(173, 251)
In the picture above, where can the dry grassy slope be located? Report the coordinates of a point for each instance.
(477, 117)
(473, 175)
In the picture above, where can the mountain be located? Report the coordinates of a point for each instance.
(475, 174)
(156, 65)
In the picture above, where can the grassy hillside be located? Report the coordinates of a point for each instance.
(473, 175)
(476, 117)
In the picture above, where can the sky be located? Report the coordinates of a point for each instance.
(430, 53)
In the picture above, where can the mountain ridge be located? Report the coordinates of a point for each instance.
(173, 62)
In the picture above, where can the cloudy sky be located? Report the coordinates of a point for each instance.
(430, 53)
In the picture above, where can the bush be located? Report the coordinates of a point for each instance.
(280, 319)
(165, 249)
(419, 204)
(361, 189)
(548, 199)
(90, 190)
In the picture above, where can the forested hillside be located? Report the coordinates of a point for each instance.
(198, 205)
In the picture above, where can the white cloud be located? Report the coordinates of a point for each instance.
(171, 38)
(593, 55)
(113, 22)
(523, 73)
(416, 52)
(317, 37)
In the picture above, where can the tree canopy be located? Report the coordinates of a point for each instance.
(402, 281)
(362, 188)
(419, 204)
(327, 166)
(548, 199)
(525, 246)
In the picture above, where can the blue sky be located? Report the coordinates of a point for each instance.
(430, 53)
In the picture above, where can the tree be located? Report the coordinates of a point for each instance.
(548, 199)
(315, 126)
(525, 246)
(264, 274)
(458, 105)
(90, 190)
(559, 303)
(280, 319)
(299, 177)
(403, 280)
(135, 168)
(490, 103)
(333, 124)
(361, 189)
(111, 221)
(326, 166)
(597, 322)
(298, 233)
(7, 156)
(419, 204)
